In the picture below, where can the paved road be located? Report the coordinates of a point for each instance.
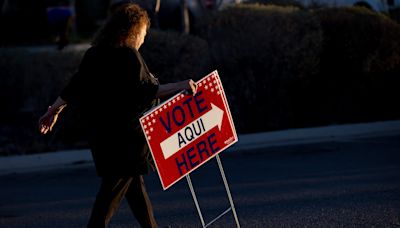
(347, 183)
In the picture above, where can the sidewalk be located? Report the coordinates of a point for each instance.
(80, 158)
(316, 135)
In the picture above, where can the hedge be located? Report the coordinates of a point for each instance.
(261, 52)
(359, 75)
(395, 14)
(172, 56)
(285, 67)
(31, 79)
(282, 67)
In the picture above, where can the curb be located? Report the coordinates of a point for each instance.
(82, 158)
(45, 161)
(315, 135)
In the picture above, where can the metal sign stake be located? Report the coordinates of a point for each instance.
(195, 199)
(228, 192)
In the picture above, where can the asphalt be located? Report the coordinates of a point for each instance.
(77, 158)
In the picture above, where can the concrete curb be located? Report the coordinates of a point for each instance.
(315, 135)
(45, 161)
(79, 158)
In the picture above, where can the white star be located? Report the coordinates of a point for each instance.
(151, 129)
(154, 120)
(205, 87)
(212, 89)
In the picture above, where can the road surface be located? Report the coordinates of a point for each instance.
(352, 182)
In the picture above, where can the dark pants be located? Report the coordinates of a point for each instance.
(109, 197)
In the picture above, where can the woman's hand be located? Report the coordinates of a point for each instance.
(190, 86)
(47, 121)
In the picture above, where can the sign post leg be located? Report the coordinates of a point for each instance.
(195, 200)
(228, 192)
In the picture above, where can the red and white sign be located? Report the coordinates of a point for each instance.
(186, 131)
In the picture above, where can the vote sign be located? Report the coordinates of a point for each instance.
(187, 130)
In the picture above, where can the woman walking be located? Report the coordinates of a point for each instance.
(112, 89)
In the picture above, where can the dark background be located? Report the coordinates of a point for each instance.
(282, 67)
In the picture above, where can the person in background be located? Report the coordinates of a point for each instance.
(112, 89)
(60, 20)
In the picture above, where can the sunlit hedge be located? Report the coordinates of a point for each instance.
(285, 67)
(282, 67)
(359, 75)
(172, 56)
(261, 52)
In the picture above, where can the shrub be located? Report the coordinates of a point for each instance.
(359, 68)
(292, 3)
(173, 56)
(395, 14)
(281, 67)
(261, 52)
(31, 79)
(359, 40)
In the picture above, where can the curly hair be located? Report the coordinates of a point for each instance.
(125, 23)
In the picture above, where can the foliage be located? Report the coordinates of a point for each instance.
(172, 56)
(359, 68)
(282, 67)
(395, 14)
(261, 51)
(30, 81)
(32, 78)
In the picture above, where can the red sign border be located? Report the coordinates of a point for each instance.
(225, 101)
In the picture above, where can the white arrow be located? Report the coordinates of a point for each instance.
(190, 132)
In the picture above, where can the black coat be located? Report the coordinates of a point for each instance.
(112, 89)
